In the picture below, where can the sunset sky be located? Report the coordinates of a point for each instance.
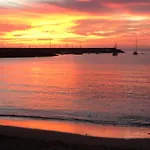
(92, 23)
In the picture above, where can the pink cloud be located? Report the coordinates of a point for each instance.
(8, 27)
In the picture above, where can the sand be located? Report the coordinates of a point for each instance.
(34, 139)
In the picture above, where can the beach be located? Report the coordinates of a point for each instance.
(25, 138)
(21, 133)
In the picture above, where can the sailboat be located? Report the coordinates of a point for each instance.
(135, 52)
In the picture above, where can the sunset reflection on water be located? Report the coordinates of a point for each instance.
(97, 88)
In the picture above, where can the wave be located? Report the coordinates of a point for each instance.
(136, 123)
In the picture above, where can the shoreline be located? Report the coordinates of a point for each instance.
(80, 128)
(39, 139)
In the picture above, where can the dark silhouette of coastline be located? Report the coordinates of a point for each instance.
(43, 52)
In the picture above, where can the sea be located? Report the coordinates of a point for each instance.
(89, 88)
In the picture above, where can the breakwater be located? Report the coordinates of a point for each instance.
(41, 52)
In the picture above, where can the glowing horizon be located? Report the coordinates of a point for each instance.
(90, 22)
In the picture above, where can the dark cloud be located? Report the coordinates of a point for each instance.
(102, 7)
(140, 9)
(89, 6)
(85, 6)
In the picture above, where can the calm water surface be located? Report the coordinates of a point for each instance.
(100, 89)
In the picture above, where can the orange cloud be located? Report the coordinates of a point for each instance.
(91, 22)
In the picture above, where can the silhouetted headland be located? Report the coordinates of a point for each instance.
(42, 52)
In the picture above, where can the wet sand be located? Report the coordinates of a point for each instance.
(27, 139)
(81, 128)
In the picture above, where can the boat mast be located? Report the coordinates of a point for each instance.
(116, 45)
(50, 43)
(80, 44)
(136, 44)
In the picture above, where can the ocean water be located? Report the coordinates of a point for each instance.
(99, 89)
